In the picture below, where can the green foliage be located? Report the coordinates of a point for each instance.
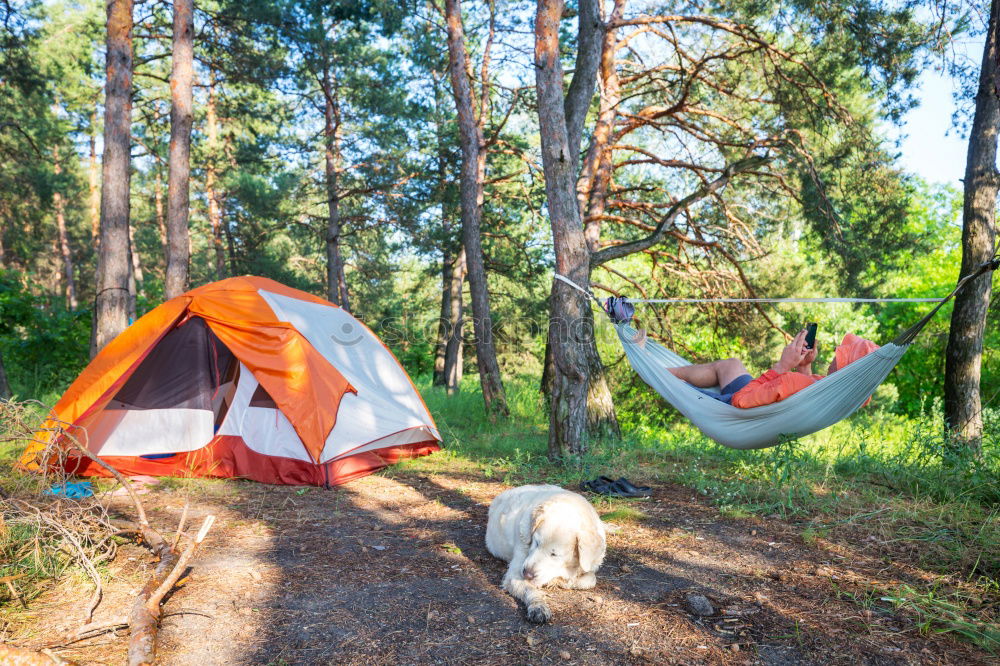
(945, 612)
(44, 346)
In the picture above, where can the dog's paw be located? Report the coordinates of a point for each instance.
(585, 581)
(539, 613)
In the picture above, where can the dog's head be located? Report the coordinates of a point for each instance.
(564, 543)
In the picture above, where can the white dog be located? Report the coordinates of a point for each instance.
(548, 535)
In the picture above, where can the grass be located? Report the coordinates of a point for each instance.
(945, 612)
(624, 514)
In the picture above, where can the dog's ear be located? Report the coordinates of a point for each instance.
(590, 547)
(537, 516)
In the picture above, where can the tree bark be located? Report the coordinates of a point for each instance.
(570, 325)
(448, 366)
(453, 369)
(64, 251)
(331, 133)
(178, 179)
(5, 391)
(345, 298)
(94, 182)
(444, 323)
(963, 356)
(473, 174)
(161, 220)
(136, 278)
(214, 201)
(132, 291)
(592, 189)
(111, 302)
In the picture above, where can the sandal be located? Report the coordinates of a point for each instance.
(634, 490)
(603, 485)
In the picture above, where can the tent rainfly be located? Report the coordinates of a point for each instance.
(247, 378)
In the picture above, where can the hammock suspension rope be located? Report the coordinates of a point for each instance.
(813, 408)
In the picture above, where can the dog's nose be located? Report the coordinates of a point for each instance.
(528, 574)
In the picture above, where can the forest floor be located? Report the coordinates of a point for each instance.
(393, 569)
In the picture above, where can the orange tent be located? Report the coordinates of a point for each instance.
(244, 377)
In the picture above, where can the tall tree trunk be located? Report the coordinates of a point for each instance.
(963, 357)
(592, 189)
(214, 202)
(111, 302)
(64, 251)
(448, 364)
(560, 123)
(592, 186)
(94, 182)
(448, 255)
(178, 180)
(444, 325)
(231, 246)
(161, 220)
(453, 369)
(137, 279)
(473, 175)
(331, 133)
(5, 391)
(345, 298)
(133, 292)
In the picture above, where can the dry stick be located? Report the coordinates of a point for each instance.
(140, 511)
(16, 656)
(143, 622)
(85, 561)
(146, 610)
(95, 628)
(14, 594)
(56, 659)
(154, 600)
(180, 526)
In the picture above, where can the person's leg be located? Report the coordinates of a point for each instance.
(717, 373)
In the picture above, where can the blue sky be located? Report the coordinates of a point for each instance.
(932, 148)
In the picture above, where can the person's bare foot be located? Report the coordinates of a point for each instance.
(640, 337)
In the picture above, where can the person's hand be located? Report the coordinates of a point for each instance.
(793, 353)
(640, 337)
(805, 365)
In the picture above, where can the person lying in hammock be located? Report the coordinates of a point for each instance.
(791, 373)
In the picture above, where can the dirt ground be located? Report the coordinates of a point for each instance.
(393, 570)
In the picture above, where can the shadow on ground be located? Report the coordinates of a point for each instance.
(393, 569)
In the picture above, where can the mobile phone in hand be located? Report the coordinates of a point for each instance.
(811, 334)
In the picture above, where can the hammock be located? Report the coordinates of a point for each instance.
(815, 407)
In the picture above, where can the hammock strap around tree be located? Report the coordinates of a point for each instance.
(907, 336)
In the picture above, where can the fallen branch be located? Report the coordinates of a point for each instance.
(15, 656)
(145, 614)
(182, 561)
(180, 526)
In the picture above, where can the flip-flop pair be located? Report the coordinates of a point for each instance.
(622, 487)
